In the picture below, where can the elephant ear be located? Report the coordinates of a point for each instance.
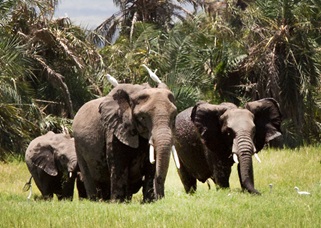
(206, 118)
(116, 113)
(267, 119)
(43, 158)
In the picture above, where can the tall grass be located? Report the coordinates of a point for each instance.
(281, 207)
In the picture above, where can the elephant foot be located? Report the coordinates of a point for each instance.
(189, 182)
(252, 191)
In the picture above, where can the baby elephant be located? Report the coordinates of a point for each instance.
(52, 162)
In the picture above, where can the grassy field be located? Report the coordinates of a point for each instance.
(281, 207)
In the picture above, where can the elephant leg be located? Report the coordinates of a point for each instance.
(43, 182)
(187, 179)
(68, 189)
(118, 185)
(88, 180)
(222, 175)
(81, 186)
(148, 183)
(103, 190)
(119, 173)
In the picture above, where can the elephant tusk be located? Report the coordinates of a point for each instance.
(235, 158)
(175, 156)
(254, 149)
(257, 157)
(70, 174)
(234, 148)
(151, 154)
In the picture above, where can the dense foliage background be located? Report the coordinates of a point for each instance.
(234, 51)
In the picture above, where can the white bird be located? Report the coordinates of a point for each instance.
(271, 186)
(152, 74)
(301, 192)
(112, 80)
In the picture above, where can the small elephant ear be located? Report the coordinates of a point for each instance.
(116, 113)
(206, 118)
(43, 157)
(267, 119)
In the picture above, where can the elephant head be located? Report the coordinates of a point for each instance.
(52, 162)
(239, 133)
(133, 111)
(53, 153)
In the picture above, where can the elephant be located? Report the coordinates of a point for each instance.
(117, 137)
(51, 159)
(210, 138)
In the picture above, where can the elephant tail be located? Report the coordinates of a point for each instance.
(208, 184)
(27, 187)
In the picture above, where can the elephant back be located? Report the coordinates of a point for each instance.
(189, 146)
(87, 128)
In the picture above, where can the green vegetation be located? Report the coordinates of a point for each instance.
(49, 67)
(281, 207)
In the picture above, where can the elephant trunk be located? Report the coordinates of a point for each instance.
(245, 150)
(162, 140)
(72, 167)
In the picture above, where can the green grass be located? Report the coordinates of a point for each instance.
(282, 207)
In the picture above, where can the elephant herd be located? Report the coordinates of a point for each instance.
(123, 142)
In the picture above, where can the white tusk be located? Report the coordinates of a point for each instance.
(175, 156)
(152, 74)
(236, 160)
(112, 80)
(234, 147)
(254, 148)
(257, 157)
(70, 174)
(151, 153)
(234, 150)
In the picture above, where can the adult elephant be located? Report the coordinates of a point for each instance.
(52, 162)
(209, 136)
(113, 137)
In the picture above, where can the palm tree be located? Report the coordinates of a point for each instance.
(48, 70)
(282, 61)
(16, 117)
(157, 12)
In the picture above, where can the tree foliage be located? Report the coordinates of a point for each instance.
(46, 71)
(246, 51)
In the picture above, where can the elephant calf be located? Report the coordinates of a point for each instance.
(52, 162)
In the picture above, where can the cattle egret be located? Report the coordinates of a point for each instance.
(112, 80)
(152, 74)
(301, 192)
(271, 186)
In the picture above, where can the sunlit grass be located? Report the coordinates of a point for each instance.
(281, 207)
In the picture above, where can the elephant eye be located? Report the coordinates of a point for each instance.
(229, 132)
(141, 118)
(63, 157)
